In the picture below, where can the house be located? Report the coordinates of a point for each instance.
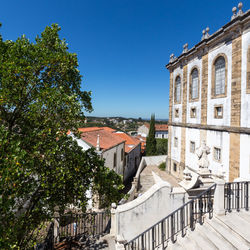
(161, 130)
(132, 154)
(110, 147)
(121, 152)
(209, 101)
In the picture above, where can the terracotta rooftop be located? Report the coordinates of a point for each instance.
(130, 142)
(107, 139)
(158, 127)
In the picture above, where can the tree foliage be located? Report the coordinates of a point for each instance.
(162, 146)
(151, 141)
(41, 168)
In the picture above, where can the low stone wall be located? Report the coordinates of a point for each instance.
(145, 161)
(134, 217)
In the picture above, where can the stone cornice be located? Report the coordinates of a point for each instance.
(229, 129)
(234, 26)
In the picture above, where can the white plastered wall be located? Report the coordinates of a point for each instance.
(220, 140)
(191, 159)
(109, 158)
(198, 63)
(176, 151)
(226, 101)
(245, 98)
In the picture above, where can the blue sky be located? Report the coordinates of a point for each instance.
(122, 45)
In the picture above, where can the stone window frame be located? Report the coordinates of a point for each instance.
(177, 102)
(176, 113)
(175, 163)
(193, 114)
(122, 154)
(213, 96)
(214, 152)
(176, 142)
(248, 71)
(216, 116)
(115, 160)
(192, 149)
(190, 84)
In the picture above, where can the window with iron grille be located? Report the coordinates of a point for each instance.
(177, 89)
(195, 84)
(219, 77)
(217, 154)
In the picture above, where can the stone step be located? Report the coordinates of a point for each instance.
(228, 234)
(201, 240)
(187, 242)
(245, 215)
(238, 225)
(217, 239)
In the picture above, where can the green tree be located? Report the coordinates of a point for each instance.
(162, 146)
(41, 168)
(151, 141)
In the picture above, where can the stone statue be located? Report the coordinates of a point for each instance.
(202, 153)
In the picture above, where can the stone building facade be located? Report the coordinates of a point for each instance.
(210, 100)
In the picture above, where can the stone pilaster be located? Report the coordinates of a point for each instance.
(236, 82)
(184, 119)
(184, 95)
(234, 156)
(204, 86)
(170, 97)
(248, 70)
(170, 120)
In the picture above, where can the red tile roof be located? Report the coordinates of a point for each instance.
(88, 129)
(158, 127)
(130, 142)
(107, 139)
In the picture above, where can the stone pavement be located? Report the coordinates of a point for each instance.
(147, 180)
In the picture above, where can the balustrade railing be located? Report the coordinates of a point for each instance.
(236, 196)
(175, 223)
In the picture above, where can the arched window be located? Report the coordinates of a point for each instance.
(194, 84)
(177, 89)
(219, 76)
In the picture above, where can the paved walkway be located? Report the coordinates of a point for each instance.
(147, 180)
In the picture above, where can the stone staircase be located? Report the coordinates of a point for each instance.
(230, 231)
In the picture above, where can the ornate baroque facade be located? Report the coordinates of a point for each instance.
(210, 100)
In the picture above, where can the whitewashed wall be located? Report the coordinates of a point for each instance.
(220, 140)
(191, 159)
(226, 101)
(136, 216)
(245, 156)
(176, 151)
(143, 130)
(245, 98)
(109, 158)
(198, 63)
(133, 161)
